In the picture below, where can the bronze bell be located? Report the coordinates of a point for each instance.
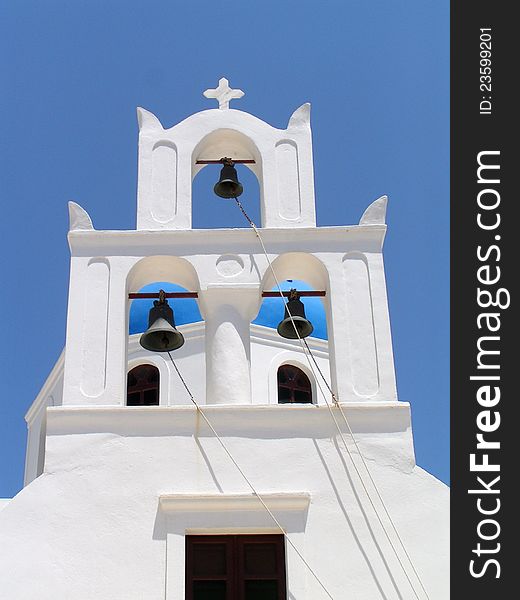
(228, 185)
(161, 335)
(295, 309)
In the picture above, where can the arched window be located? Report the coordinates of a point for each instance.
(293, 386)
(143, 386)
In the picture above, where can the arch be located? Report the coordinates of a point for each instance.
(297, 265)
(162, 268)
(272, 309)
(158, 269)
(143, 385)
(303, 267)
(294, 387)
(185, 310)
(156, 360)
(295, 359)
(227, 142)
(234, 144)
(208, 211)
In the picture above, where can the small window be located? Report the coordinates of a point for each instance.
(235, 567)
(294, 386)
(143, 386)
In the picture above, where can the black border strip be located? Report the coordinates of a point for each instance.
(482, 128)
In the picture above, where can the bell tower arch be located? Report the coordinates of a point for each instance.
(168, 162)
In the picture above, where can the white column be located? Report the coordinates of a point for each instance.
(228, 312)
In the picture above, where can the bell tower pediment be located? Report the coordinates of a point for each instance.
(169, 159)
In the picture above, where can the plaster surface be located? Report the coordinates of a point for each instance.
(268, 353)
(108, 471)
(345, 262)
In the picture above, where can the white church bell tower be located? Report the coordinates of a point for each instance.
(199, 452)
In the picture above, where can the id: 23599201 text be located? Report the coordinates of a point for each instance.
(485, 70)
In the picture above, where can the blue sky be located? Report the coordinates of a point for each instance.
(377, 76)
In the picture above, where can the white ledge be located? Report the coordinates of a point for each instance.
(233, 420)
(237, 502)
(364, 238)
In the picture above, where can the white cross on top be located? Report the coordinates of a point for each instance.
(223, 93)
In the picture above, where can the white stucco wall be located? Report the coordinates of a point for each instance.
(51, 394)
(268, 352)
(92, 525)
(345, 262)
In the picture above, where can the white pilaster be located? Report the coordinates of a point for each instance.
(228, 312)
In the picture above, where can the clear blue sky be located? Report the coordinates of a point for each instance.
(377, 75)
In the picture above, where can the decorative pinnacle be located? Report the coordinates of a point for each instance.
(223, 93)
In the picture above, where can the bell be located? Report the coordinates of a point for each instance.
(161, 335)
(295, 309)
(228, 185)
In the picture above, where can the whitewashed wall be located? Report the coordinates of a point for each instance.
(268, 352)
(93, 526)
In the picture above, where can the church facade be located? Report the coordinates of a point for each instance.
(244, 464)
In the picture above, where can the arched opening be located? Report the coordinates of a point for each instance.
(209, 211)
(185, 310)
(272, 309)
(150, 274)
(143, 386)
(294, 387)
(153, 273)
(306, 273)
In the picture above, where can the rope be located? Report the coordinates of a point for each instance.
(307, 352)
(382, 502)
(226, 450)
